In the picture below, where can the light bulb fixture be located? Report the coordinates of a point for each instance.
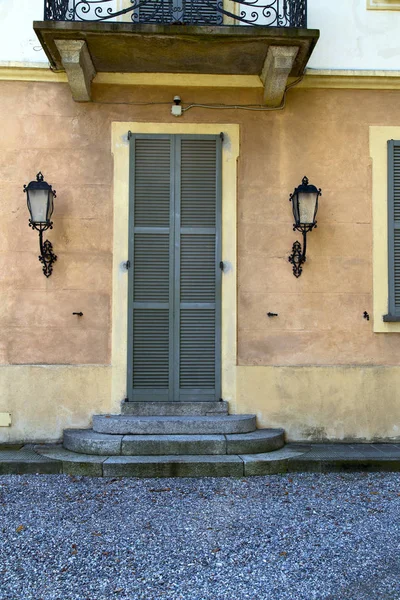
(305, 206)
(40, 196)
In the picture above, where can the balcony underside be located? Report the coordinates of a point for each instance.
(140, 48)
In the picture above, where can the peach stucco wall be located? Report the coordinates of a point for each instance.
(43, 130)
(323, 134)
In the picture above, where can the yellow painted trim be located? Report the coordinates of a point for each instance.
(179, 80)
(31, 74)
(383, 5)
(5, 419)
(378, 137)
(350, 79)
(230, 153)
(314, 78)
(329, 79)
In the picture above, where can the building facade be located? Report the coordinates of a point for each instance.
(90, 104)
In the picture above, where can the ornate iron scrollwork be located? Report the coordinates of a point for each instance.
(47, 256)
(297, 259)
(276, 13)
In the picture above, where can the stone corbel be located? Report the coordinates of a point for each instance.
(277, 67)
(78, 66)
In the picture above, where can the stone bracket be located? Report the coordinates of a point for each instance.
(277, 67)
(78, 66)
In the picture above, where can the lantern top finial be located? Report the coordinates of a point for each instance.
(39, 184)
(306, 188)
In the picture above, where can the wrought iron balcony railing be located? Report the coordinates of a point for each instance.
(274, 13)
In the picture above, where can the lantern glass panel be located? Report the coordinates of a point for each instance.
(38, 200)
(51, 205)
(307, 205)
(295, 207)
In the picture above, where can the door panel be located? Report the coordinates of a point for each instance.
(151, 267)
(197, 350)
(175, 250)
(151, 349)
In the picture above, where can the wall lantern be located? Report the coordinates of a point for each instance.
(305, 206)
(40, 196)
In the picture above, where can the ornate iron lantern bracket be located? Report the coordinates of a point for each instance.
(47, 256)
(40, 196)
(305, 206)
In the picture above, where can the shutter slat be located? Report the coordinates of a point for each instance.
(197, 349)
(150, 349)
(151, 267)
(396, 181)
(198, 183)
(152, 185)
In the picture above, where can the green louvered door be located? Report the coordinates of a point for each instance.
(174, 311)
(394, 229)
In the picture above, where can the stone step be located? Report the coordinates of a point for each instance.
(234, 465)
(173, 466)
(255, 442)
(87, 441)
(126, 424)
(171, 409)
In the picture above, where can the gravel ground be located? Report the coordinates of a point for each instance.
(298, 536)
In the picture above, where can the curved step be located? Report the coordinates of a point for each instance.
(174, 409)
(86, 441)
(122, 424)
(256, 442)
(279, 461)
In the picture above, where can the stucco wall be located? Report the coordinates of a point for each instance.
(44, 400)
(42, 129)
(323, 134)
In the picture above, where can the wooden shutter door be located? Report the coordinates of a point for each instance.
(151, 280)
(174, 311)
(197, 268)
(394, 226)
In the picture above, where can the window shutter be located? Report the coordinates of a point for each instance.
(394, 226)
(186, 11)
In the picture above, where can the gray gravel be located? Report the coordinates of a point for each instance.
(298, 536)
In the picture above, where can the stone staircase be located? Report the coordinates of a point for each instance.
(168, 439)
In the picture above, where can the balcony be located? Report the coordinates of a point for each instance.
(230, 37)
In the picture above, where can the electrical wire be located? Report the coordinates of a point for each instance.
(253, 107)
(134, 103)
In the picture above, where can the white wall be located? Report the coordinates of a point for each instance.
(352, 37)
(18, 41)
